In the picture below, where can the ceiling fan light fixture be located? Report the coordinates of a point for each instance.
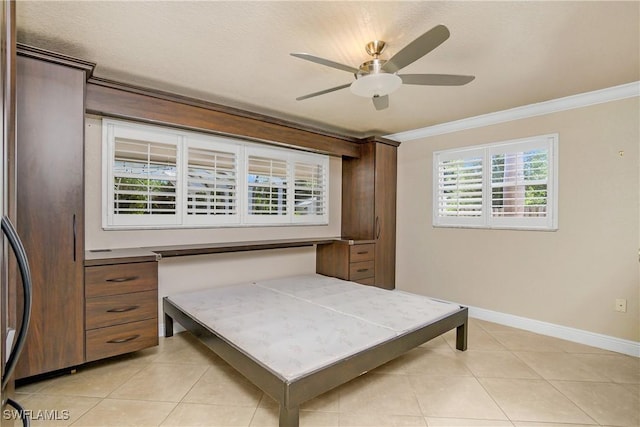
(378, 84)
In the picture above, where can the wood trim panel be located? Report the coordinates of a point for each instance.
(55, 58)
(381, 140)
(128, 102)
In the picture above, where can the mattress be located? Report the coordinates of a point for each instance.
(298, 325)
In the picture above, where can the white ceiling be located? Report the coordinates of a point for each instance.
(237, 53)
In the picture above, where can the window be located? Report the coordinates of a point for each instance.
(163, 178)
(211, 182)
(510, 184)
(143, 173)
(266, 186)
(310, 189)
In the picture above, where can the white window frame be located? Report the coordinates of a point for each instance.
(220, 144)
(323, 162)
(290, 157)
(280, 155)
(486, 219)
(112, 129)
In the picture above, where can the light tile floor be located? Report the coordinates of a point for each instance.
(507, 377)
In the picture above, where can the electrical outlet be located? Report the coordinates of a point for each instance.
(621, 305)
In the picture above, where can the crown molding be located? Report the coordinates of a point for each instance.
(614, 93)
(55, 58)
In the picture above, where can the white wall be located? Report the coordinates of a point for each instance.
(570, 277)
(194, 272)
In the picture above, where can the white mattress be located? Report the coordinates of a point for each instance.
(297, 325)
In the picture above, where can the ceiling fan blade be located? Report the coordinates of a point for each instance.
(322, 92)
(381, 102)
(435, 79)
(325, 62)
(417, 48)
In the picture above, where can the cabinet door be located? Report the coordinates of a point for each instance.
(385, 215)
(358, 188)
(50, 210)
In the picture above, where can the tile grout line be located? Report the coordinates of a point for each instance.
(87, 411)
(480, 382)
(514, 354)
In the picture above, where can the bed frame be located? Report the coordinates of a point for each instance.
(290, 394)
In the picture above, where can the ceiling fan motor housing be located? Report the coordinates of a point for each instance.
(371, 67)
(371, 81)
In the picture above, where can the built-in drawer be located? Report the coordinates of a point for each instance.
(359, 253)
(368, 281)
(120, 339)
(103, 280)
(361, 270)
(117, 309)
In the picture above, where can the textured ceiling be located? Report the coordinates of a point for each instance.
(237, 53)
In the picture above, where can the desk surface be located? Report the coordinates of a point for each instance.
(154, 253)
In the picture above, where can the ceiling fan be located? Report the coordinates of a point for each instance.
(377, 78)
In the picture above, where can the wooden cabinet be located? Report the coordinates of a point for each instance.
(369, 203)
(50, 208)
(121, 308)
(347, 260)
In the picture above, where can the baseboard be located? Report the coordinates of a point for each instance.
(606, 342)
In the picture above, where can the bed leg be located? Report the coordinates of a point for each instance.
(461, 337)
(168, 326)
(289, 417)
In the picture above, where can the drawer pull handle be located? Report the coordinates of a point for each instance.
(362, 270)
(363, 252)
(123, 309)
(122, 279)
(123, 340)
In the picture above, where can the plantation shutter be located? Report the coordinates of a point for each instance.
(520, 176)
(511, 184)
(266, 186)
(459, 188)
(310, 190)
(212, 183)
(519, 184)
(156, 177)
(144, 180)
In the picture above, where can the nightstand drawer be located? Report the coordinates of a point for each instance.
(115, 279)
(120, 339)
(361, 270)
(359, 253)
(117, 309)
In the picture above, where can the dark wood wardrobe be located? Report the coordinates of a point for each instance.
(50, 208)
(369, 203)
